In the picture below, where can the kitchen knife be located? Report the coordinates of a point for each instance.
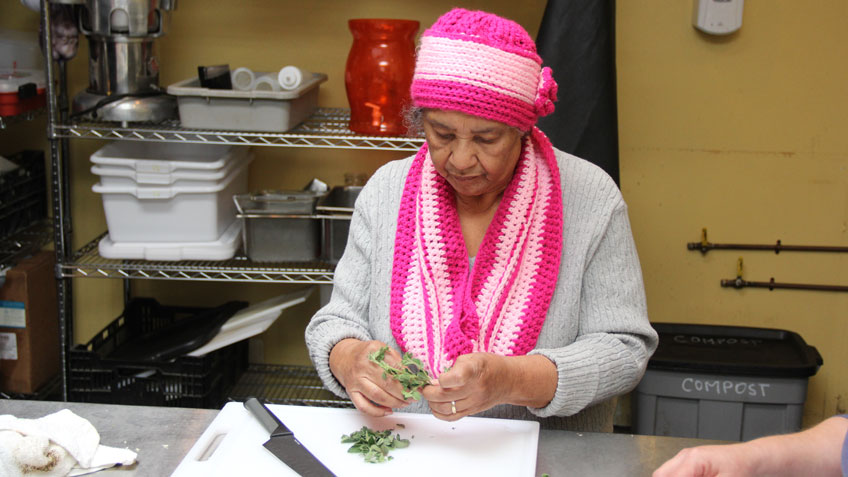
(284, 445)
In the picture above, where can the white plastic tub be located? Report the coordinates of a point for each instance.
(127, 176)
(172, 213)
(222, 249)
(162, 158)
(271, 111)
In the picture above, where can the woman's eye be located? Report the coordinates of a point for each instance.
(481, 140)
(444, 137)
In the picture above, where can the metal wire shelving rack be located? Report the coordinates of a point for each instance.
(7, 121)
(326, 128)
(87, 263)
(34, 236)
(24, 242)
(286, 384)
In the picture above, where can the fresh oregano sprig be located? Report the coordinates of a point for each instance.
(374, 445)
(412, 374)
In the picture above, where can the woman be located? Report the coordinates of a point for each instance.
(506, 266)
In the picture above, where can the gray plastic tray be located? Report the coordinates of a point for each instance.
(271, 111)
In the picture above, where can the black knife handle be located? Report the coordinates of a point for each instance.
(267, 418)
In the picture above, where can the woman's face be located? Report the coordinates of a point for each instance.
(476, 156)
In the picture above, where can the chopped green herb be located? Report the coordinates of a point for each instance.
(412, 374)
(374, 445)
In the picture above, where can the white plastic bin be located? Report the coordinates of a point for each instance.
(162, 158)
(172, 213)
(127, 176)
(222, 249)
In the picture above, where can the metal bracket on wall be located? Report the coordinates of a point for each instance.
(704, 246)
(739, 282)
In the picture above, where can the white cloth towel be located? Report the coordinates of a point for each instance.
(58, 444)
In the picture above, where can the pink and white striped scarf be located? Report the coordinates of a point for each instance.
(439, 310)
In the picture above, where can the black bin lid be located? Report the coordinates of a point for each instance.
(735, 350)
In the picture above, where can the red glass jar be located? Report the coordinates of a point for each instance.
(378, 74)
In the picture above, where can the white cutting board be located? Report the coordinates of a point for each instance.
(471, 446)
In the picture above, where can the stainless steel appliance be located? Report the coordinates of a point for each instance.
(123, 68)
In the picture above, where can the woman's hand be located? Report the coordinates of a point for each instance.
(815, 451)
(363, 380)
(471, 385)
(708, 461)
(480, 381)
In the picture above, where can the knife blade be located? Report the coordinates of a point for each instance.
(284, 445)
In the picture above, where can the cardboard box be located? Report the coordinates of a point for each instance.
(29, 325)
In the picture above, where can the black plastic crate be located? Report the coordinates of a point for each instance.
(23, 192)
(185, 381)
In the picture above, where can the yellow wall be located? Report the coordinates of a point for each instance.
(743, 135)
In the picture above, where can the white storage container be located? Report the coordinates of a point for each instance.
(127, 176)
(272, 111)
(222, 249)
(162, 158)
(198, 212)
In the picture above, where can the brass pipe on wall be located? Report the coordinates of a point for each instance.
(704, 246)
(738, 282)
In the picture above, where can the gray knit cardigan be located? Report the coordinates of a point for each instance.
(596, 332)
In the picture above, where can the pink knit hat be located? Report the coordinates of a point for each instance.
(484, 65)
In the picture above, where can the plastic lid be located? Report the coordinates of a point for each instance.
(162, 157)
(171, 177)
(252, 320)
(733, 350)
(164, 192)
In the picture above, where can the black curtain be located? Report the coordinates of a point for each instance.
(577, 40)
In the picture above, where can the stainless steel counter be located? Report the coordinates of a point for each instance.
(163, 436)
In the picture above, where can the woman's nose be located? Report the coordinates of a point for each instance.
(463, 155)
